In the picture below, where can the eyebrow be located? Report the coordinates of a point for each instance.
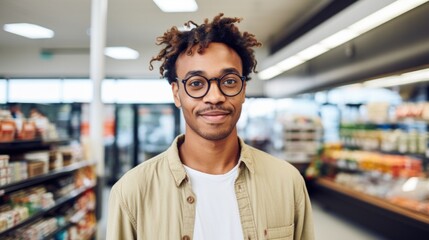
(203, 73)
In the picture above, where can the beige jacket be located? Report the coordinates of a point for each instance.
(155, 201)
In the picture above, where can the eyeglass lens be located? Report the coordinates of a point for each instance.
(198, 86)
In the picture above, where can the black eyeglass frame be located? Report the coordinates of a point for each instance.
(242, 78)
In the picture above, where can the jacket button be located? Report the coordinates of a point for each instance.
(190, 200)
(186, 237)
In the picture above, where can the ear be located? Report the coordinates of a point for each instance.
(175, 90)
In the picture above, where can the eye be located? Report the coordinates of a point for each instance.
(230, 81)
(196, 82)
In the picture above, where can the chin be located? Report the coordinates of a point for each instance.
(216, 136)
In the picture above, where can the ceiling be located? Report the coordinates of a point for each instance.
(137, 23)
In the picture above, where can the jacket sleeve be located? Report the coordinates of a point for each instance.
(304, 217)
(120, 223)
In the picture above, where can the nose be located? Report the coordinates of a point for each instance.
(214, 95)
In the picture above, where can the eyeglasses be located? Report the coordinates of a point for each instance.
(197, 86)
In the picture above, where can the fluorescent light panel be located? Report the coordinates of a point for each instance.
(366, 24)
(269, 72)
(401, 79)
(121, 53)
(28, 30)
(177, 5)
(289, 63)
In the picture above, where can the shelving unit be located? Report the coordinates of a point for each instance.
(363, 176)
(43, 178)
(20, 147)
(73, 220)
(391, 220)
(302, 138)
(60, 202)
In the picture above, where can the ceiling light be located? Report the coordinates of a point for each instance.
(177, 5)
(289, 63)
(419, 74)
(269, 73)
(312, 52)
(366, 24)
(383, 82)
(401, 79)
(29, 30)
(384, 15)
(338, 38)
(121, 53)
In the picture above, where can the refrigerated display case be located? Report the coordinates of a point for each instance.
(123, 159)
(142, 131)
(156, 129)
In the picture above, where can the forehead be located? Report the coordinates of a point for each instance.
(212, 61)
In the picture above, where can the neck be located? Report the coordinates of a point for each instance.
(213, 157)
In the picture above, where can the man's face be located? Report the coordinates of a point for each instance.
(214, 116)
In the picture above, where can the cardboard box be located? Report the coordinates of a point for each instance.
(35, 168)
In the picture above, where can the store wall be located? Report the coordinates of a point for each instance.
(28, 62)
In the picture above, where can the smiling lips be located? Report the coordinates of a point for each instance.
(216, 116)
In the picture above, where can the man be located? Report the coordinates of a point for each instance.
(209, 184)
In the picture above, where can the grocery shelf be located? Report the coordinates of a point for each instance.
(59, 229)
(58, 203)
(373, 212)
(379, 202)
(44, 177)
(73, 220)
(19, 146)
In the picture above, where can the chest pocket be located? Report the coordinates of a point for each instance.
(280, 233)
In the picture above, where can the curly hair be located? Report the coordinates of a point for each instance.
(220, 30)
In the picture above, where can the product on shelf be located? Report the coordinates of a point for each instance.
(8, 127)
(400, 179)
(48, 194)
(19, 171)
(419, 110)
(28, 130)
(411, 193)
(5, 170)
(395, 165)
(35, 168)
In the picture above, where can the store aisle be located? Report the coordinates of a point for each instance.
(101, 234)
(328, 226)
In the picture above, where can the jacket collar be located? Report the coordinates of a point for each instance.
(179, 172)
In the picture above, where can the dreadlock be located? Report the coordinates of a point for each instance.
(221, 30)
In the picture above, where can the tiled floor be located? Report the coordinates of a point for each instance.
(328, 226)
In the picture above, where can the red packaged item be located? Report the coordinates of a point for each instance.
(7, 130)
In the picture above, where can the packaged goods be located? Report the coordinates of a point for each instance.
(28, 130)
(7, 130)
(35, 168)
(4, 160)
(67, 157)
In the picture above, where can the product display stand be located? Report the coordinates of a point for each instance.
(377, 214)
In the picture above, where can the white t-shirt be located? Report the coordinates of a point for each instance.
(217, 215)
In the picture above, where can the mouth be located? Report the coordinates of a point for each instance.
(215, 116)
